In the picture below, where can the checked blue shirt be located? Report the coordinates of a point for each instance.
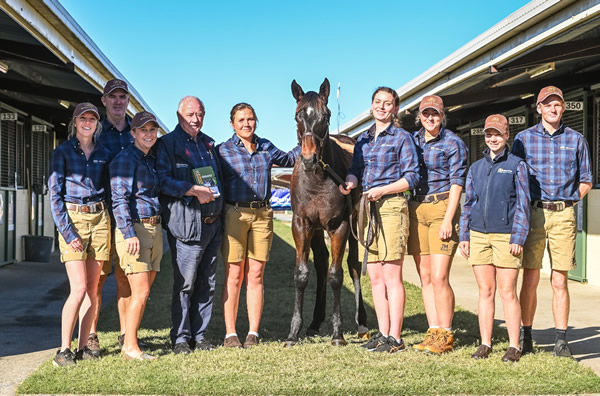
(389, 158)
(135, 188)
(557, 163)
(442, 162)
(75, 179)
(247, 177)
(113, 139)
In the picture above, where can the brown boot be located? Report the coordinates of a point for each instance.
(429, 338)
(232, 342)
(443, 342)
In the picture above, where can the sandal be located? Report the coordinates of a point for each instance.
(140, 356)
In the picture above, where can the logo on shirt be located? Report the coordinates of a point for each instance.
(567, 148)
(436, 148)
(178, 165)
(97, 161)
(501, 170)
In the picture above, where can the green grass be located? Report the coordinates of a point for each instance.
(313, 366)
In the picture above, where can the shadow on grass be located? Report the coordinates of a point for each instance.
(278, 305)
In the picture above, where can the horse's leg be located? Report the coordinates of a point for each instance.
(336, 278)
(321, 260)
(302, 233)
(354, 268)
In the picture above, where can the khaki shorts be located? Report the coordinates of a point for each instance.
(94, 231)
(560, 229)
(114, 257)
(493, 249)
(425, 222)
(390, 244)
(151, 249)
(248, 233)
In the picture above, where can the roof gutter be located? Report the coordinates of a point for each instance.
(439, 76)
(50, 23)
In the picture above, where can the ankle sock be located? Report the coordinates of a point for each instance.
(253, 333)
(230, 335)
(527, 332)
(560, 335)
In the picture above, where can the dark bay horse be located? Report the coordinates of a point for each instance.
(319, 207)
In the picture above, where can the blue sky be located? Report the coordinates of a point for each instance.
(227, 52)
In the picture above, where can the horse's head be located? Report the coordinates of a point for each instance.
(312, 119)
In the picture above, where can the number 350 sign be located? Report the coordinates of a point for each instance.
(574, 106)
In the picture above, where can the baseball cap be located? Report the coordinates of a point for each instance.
(548, 91)
(84, 107)
(432, 102)
(111, 85)
(497, 122)
(142, 118)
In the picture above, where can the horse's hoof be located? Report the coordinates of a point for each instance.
(312, 332)
(289, 344)
(338, 342)
(364, 336)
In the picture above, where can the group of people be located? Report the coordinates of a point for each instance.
(114, 184)
(516, 200)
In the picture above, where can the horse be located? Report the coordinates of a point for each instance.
(319, 207)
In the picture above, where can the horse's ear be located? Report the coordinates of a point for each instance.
(324, 90)
(297, 91)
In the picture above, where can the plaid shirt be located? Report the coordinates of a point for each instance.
(135, 187)
(113, 139)
(75, 179)
(557, 163)
(442, 162)
(382, 161)
(520, 220)
(247, 177)
(175, 174)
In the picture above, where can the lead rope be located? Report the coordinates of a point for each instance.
(374, 227)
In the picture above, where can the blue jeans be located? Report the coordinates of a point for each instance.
(194, 267)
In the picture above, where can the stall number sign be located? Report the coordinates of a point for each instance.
(8, 116)
(477, 131)
(38, 128)
(574, 106)
(516, 120)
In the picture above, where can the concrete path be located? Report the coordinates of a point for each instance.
(32, 295)
(584, 322)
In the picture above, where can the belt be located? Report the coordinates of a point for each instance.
(89, 208)
(152, 220)
(209, 219)
(251, 204)
(554, 206)
(431, 198)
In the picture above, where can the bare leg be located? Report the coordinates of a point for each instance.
(140, 287)
(528, 297)
(561, 300)
(396, 297)
(94, 326)
(123, 295)
(486, 281)
(423, 264)
(255, 292)
(76, 272)
(234, 275)
(442, 291)
(507, 285)
(380, 298)
(88, 306)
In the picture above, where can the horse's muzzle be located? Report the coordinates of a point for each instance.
(309, 163)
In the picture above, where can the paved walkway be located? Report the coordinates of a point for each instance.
(32, 295)
(584, 322)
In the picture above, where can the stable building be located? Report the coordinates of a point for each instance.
(546, 42)
(48, 64)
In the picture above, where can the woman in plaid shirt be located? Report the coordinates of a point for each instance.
(246, 162)
(76, 184)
